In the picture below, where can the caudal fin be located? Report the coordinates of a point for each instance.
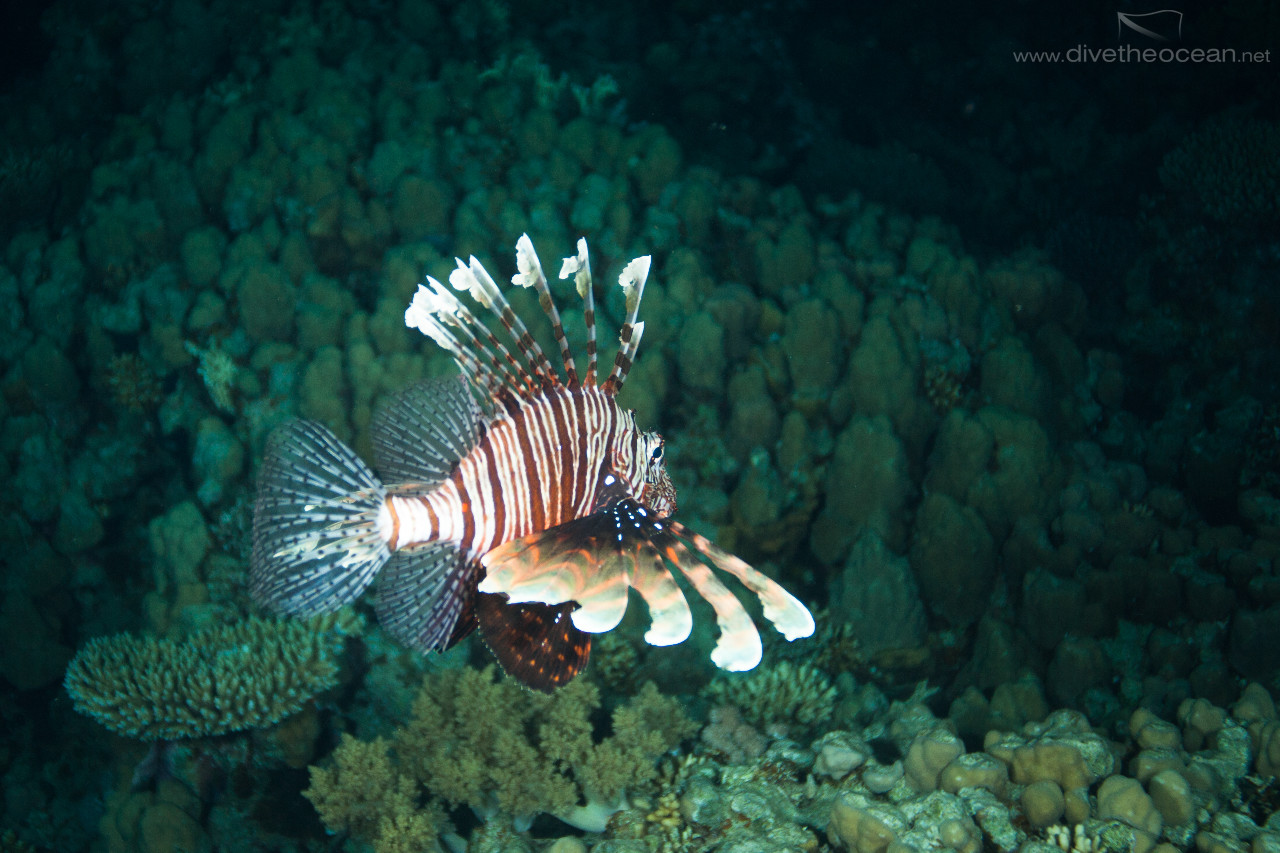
(318, 523)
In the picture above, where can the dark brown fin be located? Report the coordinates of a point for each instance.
(536, 644)
(316, 538)
(531, 275)
(420, 434)
(467, 617)
(423, 592)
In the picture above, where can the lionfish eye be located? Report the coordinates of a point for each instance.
(656, 456)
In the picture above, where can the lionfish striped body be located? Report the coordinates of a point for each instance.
(517, 502)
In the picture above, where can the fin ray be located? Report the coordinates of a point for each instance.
(420, 434)
(317, 542)
(738, 647)
(530, 275)
(792, 619)
(579, 266)
(421, 592)
(671, 620)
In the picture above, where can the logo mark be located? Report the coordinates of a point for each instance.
(1164, 25)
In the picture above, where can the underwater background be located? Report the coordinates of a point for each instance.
(963, 325)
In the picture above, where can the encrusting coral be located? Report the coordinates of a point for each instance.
(488, 743)
(224, 679)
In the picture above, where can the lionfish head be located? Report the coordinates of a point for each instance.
(658, 492)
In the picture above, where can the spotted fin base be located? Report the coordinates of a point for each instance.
(537, 644)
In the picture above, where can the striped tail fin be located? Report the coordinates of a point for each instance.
(318, 523)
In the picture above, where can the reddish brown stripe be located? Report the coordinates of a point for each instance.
(561, 445)
(432, 519)
(595, 422)
(466, 507)
(525, 431)
(574, 457)
(495, 489)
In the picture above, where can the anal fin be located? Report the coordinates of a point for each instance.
(423, 593)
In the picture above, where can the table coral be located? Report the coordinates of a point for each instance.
(248, 675)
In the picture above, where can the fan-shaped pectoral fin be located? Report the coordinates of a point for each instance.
(525, 571)
(792, 619)
(550, 568)
(671, 621)
(603, 602)
(739, 647)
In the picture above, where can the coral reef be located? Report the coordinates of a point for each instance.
(486, 742)
(362, 794)
(784, 696)
(992, 383)
(243, 676)
(133, 385)
(1228, 169)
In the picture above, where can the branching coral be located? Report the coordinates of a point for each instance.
(224, 679)
(783, 695)
(364, 795)
(133, 384)
(488, 743)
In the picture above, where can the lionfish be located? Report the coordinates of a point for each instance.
(510, 499)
